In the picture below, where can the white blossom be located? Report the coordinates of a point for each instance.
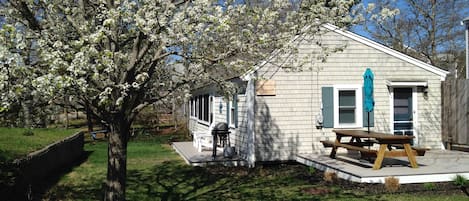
(113, 54)
(142, 77)
(135, 85)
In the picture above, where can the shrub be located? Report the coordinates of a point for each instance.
(330, 176)
(429, 186)
(311, 170)
(28, 132)
(391, 184)
(461, 182)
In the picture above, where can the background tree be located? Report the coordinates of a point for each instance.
(426, 29)
(115, 57)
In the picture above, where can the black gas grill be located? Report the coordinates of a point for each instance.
(220, 134)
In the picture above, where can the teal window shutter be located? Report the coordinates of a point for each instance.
(365, 114)
(328, 107)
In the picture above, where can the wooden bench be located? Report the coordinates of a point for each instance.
(357, 146)
(420, 151)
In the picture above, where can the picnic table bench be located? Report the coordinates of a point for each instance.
(384, 140)
(95, 133)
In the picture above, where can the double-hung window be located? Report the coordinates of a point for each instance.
(348, 106)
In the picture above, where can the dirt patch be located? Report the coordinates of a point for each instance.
(317, 191)
(164, 130)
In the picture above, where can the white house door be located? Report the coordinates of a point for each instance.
(403, 107)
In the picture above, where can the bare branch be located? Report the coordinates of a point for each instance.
(27, 14)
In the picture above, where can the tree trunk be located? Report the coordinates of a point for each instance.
(173, 108)
(67, 121)
(27, 116)
(117, 159)
(89, 120)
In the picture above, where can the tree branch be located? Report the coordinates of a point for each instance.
(27, 14)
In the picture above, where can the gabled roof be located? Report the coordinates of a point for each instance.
(438, 71)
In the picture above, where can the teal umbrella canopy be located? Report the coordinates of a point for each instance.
(368, 90)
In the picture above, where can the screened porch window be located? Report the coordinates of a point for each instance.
(201, 108)
(206, 109)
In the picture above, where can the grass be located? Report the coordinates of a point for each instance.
(155, 172)
(18, 142)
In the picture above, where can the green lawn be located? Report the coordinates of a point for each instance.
(155, 172)
(14, 143)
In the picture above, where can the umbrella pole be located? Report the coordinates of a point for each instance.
(368, 122)
(368, 129)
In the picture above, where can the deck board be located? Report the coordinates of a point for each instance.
(192, 157)
(435, 166)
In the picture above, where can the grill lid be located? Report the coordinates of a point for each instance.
(221, 126)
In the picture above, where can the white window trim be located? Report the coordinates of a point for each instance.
(230, 107)
(359, 106)
(210, 109)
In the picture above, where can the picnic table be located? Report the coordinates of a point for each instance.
(94, 134)
(359, 139)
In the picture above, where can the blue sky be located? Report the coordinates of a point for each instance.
(402, 5)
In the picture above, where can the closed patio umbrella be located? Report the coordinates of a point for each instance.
(368, 90)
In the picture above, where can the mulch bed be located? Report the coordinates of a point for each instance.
(438, 188)
(322, 187)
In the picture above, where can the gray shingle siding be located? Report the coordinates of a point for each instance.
(285, 123)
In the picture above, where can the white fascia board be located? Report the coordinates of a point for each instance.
(406, 83)
(438, 71)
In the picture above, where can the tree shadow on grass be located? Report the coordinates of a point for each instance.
(175, 181)
(172, 181)
(39, 188)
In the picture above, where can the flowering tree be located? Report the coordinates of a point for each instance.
(115, 57)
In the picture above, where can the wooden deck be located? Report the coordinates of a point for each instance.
(192, 157)
(435, 166)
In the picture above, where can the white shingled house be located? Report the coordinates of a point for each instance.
(280, 112)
